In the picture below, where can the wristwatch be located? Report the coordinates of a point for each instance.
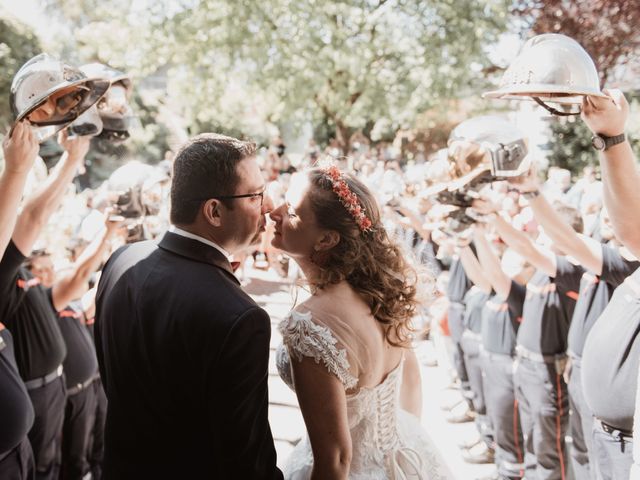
(602, 142)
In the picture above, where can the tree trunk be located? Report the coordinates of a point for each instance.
(343, 135)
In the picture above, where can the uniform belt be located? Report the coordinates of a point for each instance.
(77, 388)
(472, 335)
(523, 352)
(42, 381)
(614, 431)
(490, 355)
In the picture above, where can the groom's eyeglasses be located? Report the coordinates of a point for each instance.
(245, 195)
(229, 197)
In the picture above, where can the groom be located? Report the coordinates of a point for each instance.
(182, 350)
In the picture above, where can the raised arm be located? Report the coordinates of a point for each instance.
(39, 206)
(20, 151)
(473, 269)
(75, 284)
(620, 176)
(587, 251)
(490, 263)
(541, 258)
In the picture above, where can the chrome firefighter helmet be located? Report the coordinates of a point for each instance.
(487, 143)
(50, 94)
(550, 68)
(115, 112)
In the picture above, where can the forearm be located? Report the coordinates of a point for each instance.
(47, 199)
(92, 256)
(11, 188)
(41, 205)
(562, 234)
(517, 240)
(541, 258)
(490, 265)
(335, 470)
(473, 270)
(74, 285)
(622, 193)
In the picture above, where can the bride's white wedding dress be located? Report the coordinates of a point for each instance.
(387, 442)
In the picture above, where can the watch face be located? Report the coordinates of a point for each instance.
(598, 142)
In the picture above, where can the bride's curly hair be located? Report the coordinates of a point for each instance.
(369, 261)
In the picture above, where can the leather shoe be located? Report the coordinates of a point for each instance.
(469, 443)
(479, 454)
(455, 417)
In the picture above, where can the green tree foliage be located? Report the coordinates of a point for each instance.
(570, 140)
(17, 45)
(605, 28)
(349, 62)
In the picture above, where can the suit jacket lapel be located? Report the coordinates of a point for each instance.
(195, 250)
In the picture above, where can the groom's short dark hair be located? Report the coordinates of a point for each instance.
(205, 167)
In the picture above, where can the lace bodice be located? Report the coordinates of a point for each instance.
(379, 448)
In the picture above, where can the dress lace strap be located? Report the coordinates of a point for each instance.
(306, 338)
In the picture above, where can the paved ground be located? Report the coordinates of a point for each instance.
(277, 297)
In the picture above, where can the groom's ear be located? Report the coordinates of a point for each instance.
(328, 240)
(211, 212)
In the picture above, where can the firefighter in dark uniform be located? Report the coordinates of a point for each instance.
(50, 95)
(502, 315)
(605, 266)
(16, 416)
(458, 286)
(541, 391)
(81, 364)
(16, 412)
(475, 299)
(611, 351)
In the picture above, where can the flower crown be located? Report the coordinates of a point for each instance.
(348, 198)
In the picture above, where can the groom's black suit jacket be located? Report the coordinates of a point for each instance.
(183, 355)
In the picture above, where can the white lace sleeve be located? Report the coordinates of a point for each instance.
(305, 338)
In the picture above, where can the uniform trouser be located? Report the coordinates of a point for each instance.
(612, 453)
(96, 448)
(474, 364)
(580, 425)
(455, 319)
(76, 432)
(18, 464)
(544, 415)
(45, 435)
(503, 412)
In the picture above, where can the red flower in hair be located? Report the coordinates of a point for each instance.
(348, 199)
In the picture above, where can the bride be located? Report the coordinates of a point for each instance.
(348, 352)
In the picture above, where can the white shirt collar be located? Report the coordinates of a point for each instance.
(193, 236)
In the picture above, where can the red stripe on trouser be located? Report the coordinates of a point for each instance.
(516, 436)
(558, 429)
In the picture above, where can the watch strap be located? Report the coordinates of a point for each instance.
(615, 140)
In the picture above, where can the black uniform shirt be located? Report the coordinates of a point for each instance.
(27, 311)
(459, 283)
(548, 308)
(501, 319)
(610, 357)
(595, 294)
(16, 411)
(81, 362)
(474, 302)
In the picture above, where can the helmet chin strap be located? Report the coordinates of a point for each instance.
(554, 111)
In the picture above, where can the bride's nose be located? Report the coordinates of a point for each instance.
(276, 213)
